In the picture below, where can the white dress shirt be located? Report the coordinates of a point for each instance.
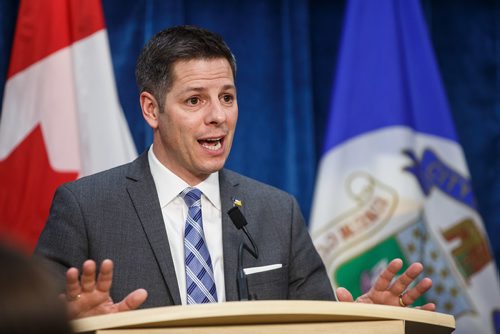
(174, 211)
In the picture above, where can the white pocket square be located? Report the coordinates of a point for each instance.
(254, 270)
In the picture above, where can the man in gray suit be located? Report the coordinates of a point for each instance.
(137, 214)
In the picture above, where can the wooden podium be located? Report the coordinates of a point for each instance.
(288, 317)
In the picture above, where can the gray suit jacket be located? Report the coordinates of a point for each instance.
(116, 214)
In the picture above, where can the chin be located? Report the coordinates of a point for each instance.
(212, 166)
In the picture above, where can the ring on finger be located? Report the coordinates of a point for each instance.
(75, 298)
(401, 302)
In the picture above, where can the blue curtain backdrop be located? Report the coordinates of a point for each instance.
(286, 52)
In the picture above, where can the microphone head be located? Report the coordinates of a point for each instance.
(237, 217)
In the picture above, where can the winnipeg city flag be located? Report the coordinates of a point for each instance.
(393, 181)
(60, 118)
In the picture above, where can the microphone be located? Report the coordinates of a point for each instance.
(240, 222)
(241, 278)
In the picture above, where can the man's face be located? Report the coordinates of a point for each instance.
(195, 131)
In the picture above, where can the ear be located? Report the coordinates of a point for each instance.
(150, 109)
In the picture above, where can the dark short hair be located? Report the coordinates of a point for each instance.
(154, 66)
(29, 300)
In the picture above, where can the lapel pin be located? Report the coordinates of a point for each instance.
(237, 202)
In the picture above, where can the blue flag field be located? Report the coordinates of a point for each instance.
(393, 180)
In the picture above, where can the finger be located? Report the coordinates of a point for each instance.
(133, 300)
(73, 287)
(427, 307)
(105, 277)
(88, 276)
(343, 295)
(62, 297)
(414, 293)
(404, 280)
(385, 278)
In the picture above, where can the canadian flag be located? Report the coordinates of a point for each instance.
(61, 118)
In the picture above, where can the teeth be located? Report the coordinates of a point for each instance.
(215, 147)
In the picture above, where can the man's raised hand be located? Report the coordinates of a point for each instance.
(396, 293)
(85, 296)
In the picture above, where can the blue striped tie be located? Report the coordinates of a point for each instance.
(200, 282)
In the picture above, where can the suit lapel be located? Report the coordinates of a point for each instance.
(231, 236)
(143, 194)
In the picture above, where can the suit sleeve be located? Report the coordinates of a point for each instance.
(307, 274)
(62, 243)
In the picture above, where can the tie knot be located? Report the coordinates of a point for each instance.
(191, 196)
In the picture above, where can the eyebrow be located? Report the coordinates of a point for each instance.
(201, 89)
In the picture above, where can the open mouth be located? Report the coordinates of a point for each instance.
(212, 144)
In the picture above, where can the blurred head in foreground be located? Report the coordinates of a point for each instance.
(28, 297)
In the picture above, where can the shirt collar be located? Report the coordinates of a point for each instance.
(169, 186)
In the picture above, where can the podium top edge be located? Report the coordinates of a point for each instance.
(264, 312)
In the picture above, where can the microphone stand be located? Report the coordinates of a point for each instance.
(241, 278)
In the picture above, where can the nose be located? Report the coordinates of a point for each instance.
(216, 113)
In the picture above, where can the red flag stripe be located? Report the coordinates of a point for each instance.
(27, 185)
(39, 32)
